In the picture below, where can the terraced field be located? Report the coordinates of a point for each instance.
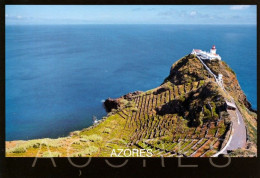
(169, 134)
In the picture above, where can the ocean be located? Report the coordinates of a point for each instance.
(58, 75)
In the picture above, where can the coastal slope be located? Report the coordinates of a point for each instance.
(187, 115)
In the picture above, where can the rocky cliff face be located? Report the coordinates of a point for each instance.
(230, 81)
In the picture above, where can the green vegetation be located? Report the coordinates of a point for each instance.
(182, 97)
(201, 83)
(87, 151)
(18, 150)
(242, 153)
(207, 113)
(92, 138)
(107, 130)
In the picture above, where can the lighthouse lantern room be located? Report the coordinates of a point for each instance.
(213, 50)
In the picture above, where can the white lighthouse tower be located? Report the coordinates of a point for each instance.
(213, 50)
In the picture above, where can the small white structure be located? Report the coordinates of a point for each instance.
(230, 106)
(207, 55)
(220, 76)
(219, 80)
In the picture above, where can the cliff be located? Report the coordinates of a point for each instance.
(185, 116)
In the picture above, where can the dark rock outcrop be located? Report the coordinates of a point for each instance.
(129, 96)
(111, 104)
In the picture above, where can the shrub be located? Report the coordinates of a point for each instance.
(134, 109)
(83, 140)
(52, 142)
(88, 151)
(182, 98)
(19, 149)
(215, 115)
(36, 145)
(107, 130)
(207, 113)
(227, 120)
(225, 114)
(92, 138)
(76, 142)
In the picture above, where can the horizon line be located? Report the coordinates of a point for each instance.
(125, 24)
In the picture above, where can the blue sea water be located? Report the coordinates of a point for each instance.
(57, 76)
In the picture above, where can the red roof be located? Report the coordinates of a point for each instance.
(213, 47)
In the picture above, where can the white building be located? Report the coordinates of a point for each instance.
(207, 55)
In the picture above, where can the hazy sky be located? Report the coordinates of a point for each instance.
(130, 14)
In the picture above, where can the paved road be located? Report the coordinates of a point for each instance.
(239, 131)
(238, 136)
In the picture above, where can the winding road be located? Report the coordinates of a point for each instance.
(239, 131)
(238, 136)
